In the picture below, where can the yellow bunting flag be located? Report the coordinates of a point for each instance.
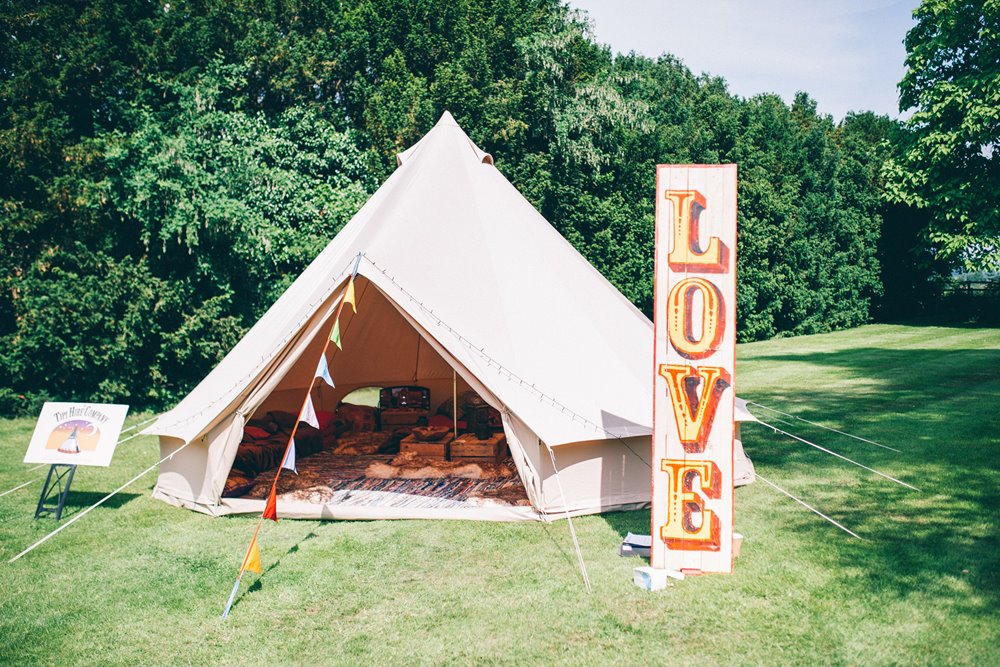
(349, 295)
(252, 560)
(335, 336)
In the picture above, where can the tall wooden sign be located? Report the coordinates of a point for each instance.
(694, 368)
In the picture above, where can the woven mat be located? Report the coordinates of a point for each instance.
(326, 477)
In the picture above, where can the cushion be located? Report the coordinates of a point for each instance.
(441, 420)
(324, 417)
(308, 440)
(430, 433)
(361, 417)
(237, 484)
(255, 433)
(285, 420)
(336, 427)
(362, 442)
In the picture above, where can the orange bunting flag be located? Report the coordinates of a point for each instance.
(271, 509)
(349, 296)
(252, 560)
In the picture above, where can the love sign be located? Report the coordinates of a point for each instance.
(694, 366)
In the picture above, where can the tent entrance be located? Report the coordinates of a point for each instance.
(398, 454)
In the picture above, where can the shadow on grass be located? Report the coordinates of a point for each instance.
(77, 501)
(943, 545)
(258, 584)
(569, 558)
(633, 521)
(950, 320)
(907, 378)
(915, 542)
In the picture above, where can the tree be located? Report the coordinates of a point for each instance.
(166, 169)
(948, 162)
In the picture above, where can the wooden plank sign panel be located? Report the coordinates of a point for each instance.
(694, 368)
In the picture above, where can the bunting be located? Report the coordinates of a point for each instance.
(309, 414)
(252, 560)
(271, 509)
(323, 371)
(335, 335)
(349, 295)
(289, 462)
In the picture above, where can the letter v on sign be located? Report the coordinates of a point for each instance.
(694, 412)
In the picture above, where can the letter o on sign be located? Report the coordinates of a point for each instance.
(680, 317)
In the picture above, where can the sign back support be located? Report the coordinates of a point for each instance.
(58, 474)
(694, 368)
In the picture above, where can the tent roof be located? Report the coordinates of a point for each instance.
(452, 243)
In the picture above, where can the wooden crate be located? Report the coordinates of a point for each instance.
(435, 449)
(469, 448)
(393, 417)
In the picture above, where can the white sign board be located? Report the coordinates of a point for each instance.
(83, 434)
(694, 368)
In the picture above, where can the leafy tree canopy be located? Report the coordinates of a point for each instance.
(948, 162)
(166, 169)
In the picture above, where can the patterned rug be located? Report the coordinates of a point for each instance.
(326, 477)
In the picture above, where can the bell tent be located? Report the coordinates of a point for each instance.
(460, 286)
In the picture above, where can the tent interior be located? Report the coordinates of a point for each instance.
(399, 452)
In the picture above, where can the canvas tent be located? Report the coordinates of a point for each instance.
(458, 274)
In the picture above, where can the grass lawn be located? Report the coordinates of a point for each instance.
(139, 582)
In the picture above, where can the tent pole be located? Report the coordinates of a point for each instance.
(454, 402)
(569, 520)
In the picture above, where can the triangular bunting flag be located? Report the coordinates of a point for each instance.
(271, 509)
(252, 560)
(323, 371)
(349, 295)
(308, 415)
(289, 462)
(335, 335)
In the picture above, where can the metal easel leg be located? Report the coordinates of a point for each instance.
(58, 474)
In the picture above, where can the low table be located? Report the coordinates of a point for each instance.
(467, 447)
(433, 449)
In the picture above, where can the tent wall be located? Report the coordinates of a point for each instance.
(595, 477)
(197, 473)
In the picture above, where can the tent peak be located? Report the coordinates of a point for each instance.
(445, 125)
(447, 119)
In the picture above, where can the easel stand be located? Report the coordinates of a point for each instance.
(54, 482)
